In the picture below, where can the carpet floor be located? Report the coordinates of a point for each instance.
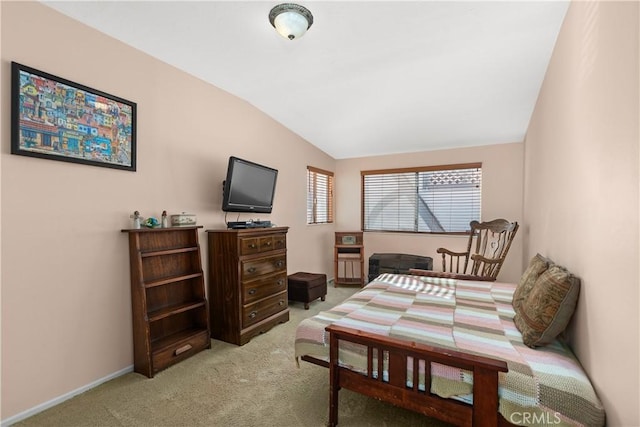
(257, 384)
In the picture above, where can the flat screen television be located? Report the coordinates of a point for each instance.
(249, 187)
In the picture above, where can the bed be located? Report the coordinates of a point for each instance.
(380, 341)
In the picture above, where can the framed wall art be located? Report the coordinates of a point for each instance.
(54, 118)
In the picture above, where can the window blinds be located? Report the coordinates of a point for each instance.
(436, 199)
(319, 196)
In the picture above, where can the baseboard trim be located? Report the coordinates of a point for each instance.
(58, 400)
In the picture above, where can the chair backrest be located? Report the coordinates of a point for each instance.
(489, 243)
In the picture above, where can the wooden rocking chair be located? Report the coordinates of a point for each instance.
(487, 249)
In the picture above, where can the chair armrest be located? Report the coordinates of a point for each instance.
(445, 275)
(485, 260)
(448, 252)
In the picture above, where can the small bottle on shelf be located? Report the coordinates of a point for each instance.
(136, 219)
(165, 222)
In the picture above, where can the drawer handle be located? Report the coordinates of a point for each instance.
(280, 282)
(252, 246)
(182, 349)
(279, 263)
(281, 302)
(252, 291)
(253, 314)
(251, 270)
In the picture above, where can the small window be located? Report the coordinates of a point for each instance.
(432, 199)
(319, 196)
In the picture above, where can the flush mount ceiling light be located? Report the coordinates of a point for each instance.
(290, 20)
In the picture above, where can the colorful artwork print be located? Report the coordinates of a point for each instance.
(58, 119)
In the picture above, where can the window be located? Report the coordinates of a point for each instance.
(319, 196)
(432, 199)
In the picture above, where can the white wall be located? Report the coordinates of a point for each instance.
(581, 190)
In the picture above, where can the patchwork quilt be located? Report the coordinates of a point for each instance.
(544, 386)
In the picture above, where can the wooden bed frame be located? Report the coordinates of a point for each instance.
(483, 412)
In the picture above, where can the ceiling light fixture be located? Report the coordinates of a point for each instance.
(290, 20)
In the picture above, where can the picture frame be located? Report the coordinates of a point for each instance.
(57, 119)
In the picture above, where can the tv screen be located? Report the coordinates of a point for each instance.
(249, 187)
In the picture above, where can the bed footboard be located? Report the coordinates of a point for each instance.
(394, 388)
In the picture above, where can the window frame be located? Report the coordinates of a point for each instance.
(330, 207)
(434, 168)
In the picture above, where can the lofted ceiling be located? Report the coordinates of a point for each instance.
(369, 77)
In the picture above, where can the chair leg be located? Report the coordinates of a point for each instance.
(306, 306)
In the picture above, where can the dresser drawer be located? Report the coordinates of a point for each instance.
(279, 241)
(254, 245)
(264, 287)
(249, 246)
(266, 244)
(180, 350)
(254, 313)
(255, 268)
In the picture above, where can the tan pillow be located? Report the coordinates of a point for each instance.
(546, 311)
(537, 266)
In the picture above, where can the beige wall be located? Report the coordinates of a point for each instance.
(66, 318)
(501, 198)
(581, 190)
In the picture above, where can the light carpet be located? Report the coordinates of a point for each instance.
(257, 384)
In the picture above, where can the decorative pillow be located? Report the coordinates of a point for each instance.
(537, 266)
(546, 311)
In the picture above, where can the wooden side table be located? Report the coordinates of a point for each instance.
(348, 258)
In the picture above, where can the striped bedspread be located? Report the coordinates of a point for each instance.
(545, 386)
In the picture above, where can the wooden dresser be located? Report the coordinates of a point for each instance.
(247, 282)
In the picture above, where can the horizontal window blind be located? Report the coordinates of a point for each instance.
(319, 196)
(436, 199)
